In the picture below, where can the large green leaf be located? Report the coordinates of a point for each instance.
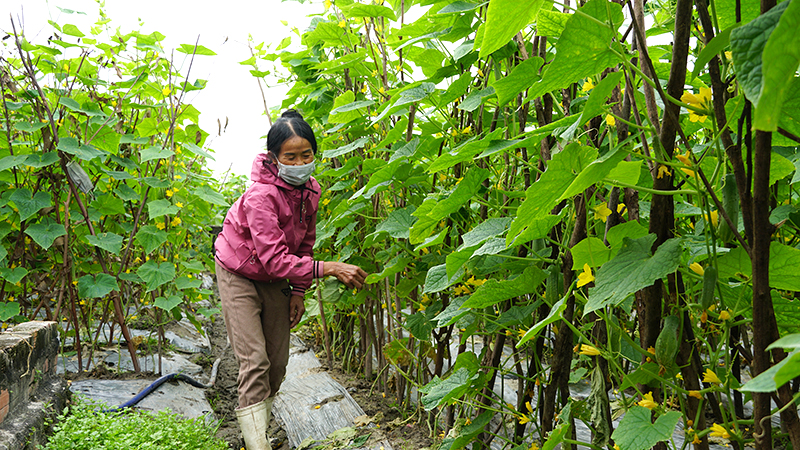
(494, 291)
(554, 316)
(158, 208)
(108, 204)
(543, 195)
(432, 211)
(523, 75)
(182, 283)
(154, 274)
(439, 392)
(28, 204)
(398, 223)
(632, 269)
(783, 264)
(437, 280)
(596, 102)
(210, 195)
(99, 285)
(487, 229)
(110, 242)
(9, 162)
(45, 232)
(150, 238)
(338, 112)
(167, 303)
(637, 431)
(595, 172)
(84, 152)
(14, 275)
(155, 152)
(747, 48)
(781, 58)
(361, 10)
(583, 48)
(504, 19)
(589, 251)
(8, 310)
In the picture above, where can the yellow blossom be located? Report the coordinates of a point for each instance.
(381, 90)
(610, 120)
(588, 350)
(647, 401)
(327, 4)
(523, 419)
(586, 276)
(480, 73)
(663, 170)
(475, 282)
(176, 221)
(166, 91)
(534, 446)
(684, 158)
(326, 201)
(169, 193)
(711, 377)
(113, 103)
(467, 130)
(724, 315)
(696, 439)
(160, 225)
(720, 431)
(714, 218)
(697, 268)
(621, 208)
(588, 85)
(179, 204)
(602, 212)
(700, 100)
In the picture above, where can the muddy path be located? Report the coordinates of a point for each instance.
(403, 433)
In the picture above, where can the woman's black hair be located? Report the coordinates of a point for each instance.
(291, 123)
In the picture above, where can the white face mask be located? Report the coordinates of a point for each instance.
(296, 175)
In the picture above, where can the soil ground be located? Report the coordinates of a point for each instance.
(223, 398)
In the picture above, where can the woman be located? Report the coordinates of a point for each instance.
(264, 262)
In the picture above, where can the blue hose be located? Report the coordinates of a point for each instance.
(155, 384)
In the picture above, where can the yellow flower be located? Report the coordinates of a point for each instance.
(113, 103)
(467, 130)
(588, 350)
(610, 120)
(326, 201)
(586, 276)
(724, 315)
(697, 268)
(621, 208)
(342, 24)
(176, 221)
(381, 90)
(327, 4)
(602, 212)
(179, 204)
(711, 377)
(166, 91)
(728, 55)
(714, 217)
(684, 158)
(647, 401)
(700, 100)
(696, 439)
(169, 193)
(588, 85)
(720, 431)
(663, 170)
(534, 446)
(523, 419)
(475, 282)
(160, 225)
(480, 73)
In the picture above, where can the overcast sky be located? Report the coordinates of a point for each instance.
(222, 26)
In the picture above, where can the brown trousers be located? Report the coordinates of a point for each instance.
(257, 319)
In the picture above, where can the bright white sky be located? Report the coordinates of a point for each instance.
(223, 26)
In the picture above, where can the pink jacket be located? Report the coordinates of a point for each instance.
(269, 232)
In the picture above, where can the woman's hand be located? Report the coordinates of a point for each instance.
(296, 310)
(352, 276)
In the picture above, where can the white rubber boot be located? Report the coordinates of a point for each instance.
(269, 402)
(253, 423)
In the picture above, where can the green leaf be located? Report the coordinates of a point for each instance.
(439, 392)
(347, 98)
(9, 162)
(783, 263)
(126, 193)
(200, 50)
(595, 172)
(362, 10)
(633, 269)
(98, 285)
(85, 152)
(504, 19)
(781, 58)
(456, 260)
(211, 196)
(155, 152)
(158, 208)
(110, 242)
(589, 251)
(72, 30)
(747, 48)
(474, 99)
(39, 160)
(523, 75)
(30, 127)
(595, 104)
(493, 291)
(554, 316)
(154, 274)
(167, 303)
(437, 280)
(712, 49)
(765, 381)
(396, 265)
(419, 325)
(398, 223)
(487, 229)
(108, 205)
(636, 431)
(779, 167)
(551, 23)
(543, 195)
(345, 149)
(29, 204)
(469, 432)
(459, 6)
(557, 436)
(791, 341)
(8, 310)
(583, 48)
(14, 275)
(45, 232)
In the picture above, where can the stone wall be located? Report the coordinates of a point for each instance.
(30, 389)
